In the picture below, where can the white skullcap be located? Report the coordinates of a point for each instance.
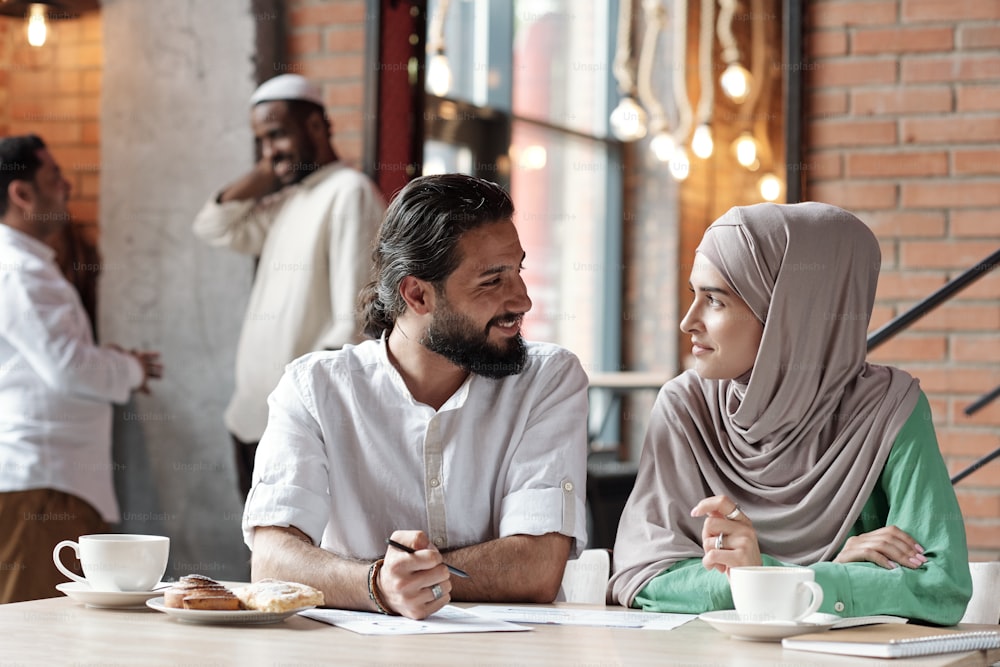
(286, 87)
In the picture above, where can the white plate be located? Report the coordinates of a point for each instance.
(728, 621)
(239, 617)
(108, 599)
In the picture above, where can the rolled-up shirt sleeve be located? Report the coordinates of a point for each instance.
(291, 475)
(545, 490)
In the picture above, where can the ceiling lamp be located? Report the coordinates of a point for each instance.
(628, 120)
(38, 28)
(702, 143)
(680, 165)
(735, 81)
(770, 187)
(663, 146)
(745, 147)
(672, 135)
(438, 70)
(40, 15)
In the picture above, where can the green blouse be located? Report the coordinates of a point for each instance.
(914, 493)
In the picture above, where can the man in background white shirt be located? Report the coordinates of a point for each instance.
(56, 386)
(448, 433)
(311, 220)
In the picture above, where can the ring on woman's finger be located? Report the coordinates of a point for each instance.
(735, 514)
(719, 543)
(436, 591)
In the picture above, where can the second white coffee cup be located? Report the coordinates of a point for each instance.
(117, 562)
(767, 594)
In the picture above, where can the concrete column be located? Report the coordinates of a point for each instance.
(174, 128)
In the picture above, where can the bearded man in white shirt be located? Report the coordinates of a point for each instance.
(447, 432)
(56, 386)
(311, 220)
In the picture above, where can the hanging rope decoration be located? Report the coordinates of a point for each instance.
(680, 165)
(628, 120)
(702, 143)
(438, 69)
(669, 140)
(656, 19)
(735, 80)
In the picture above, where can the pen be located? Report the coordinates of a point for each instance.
(403, 547)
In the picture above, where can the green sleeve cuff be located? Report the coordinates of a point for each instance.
(835, 581)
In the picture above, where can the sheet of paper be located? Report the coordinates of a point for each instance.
(447, 619)
(593, 617)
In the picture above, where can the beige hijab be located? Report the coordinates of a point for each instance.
(801, 440)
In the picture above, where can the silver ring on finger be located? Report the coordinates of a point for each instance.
(735, 514)
(436, 591)
(720, 541)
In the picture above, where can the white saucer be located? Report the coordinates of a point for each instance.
(728, 621)
(108, 599)
(239, 617)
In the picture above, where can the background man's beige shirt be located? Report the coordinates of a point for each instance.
(314, 242)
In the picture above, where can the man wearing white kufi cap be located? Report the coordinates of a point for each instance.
(311, 221)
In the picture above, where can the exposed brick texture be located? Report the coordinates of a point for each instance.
(931, 136)
(895, 101)
(54, 91)
(902, 40)
(326, 42)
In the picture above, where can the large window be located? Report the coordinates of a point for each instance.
(528, 107)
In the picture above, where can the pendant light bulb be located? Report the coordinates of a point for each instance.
(701, 143)
(628, 120)
(746, 150)
(770, 187)
(663, 146)
(439, 74)
(680, 165)
(38, 29)
(735, 82)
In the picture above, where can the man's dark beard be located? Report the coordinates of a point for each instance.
(455, 338)
(301, 168)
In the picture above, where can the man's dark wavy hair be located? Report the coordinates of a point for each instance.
(419, 237)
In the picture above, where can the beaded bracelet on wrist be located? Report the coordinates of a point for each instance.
(373, 592)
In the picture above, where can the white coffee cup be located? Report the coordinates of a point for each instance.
(117, 562)
(768, 594)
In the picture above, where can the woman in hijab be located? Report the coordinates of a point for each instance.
(783, 446)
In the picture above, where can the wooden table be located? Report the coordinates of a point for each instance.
(59, 631)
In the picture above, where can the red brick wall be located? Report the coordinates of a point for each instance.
(903, 98)
(326, 42)
(55, 91)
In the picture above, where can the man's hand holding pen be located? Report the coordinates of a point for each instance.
(415, 584)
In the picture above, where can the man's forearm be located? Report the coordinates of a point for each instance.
(518, 568)
(287, 554)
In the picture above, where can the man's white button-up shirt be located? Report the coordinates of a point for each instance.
(349, 456)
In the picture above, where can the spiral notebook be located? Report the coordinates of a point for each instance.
(894, 640)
